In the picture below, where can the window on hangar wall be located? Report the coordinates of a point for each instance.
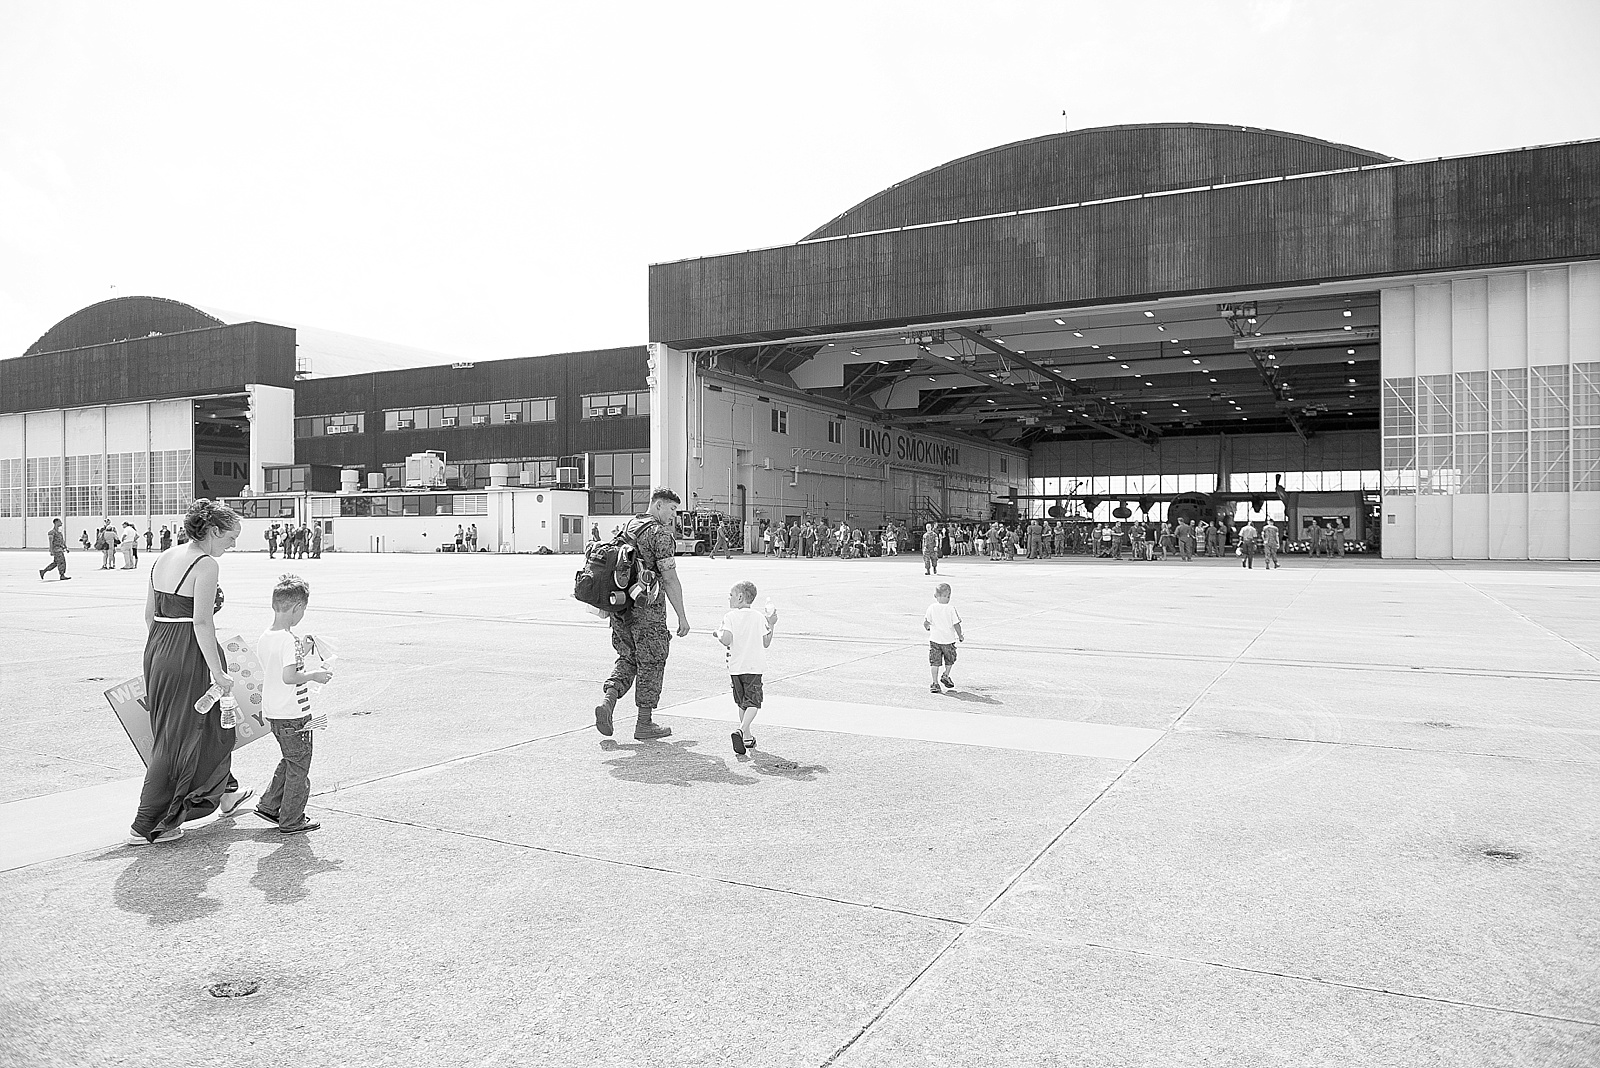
(615, 405)
(780, 420)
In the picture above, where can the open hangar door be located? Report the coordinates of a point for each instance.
(1266, 363)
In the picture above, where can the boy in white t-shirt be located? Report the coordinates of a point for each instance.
(286, 702)
(747, 633)
(943, 624)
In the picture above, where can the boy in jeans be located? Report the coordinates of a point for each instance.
(943, 624)
(747, 633)
(286, 702)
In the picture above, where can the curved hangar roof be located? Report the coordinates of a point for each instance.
(319, 353)
(1088, 165)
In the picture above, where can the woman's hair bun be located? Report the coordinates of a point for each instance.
(206, 515)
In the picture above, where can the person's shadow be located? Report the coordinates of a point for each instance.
(766, 762)
(669, 764)
(167, 883)
(972, 698)
(281, 875)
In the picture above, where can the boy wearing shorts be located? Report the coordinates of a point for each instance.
(943, 624)
(286, 703)
(747, 633)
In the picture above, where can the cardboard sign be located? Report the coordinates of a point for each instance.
(128, 701)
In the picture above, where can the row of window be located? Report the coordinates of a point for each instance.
(619, 469)
(495, 413)
(392, 504)
(615, 405)
(1537, 461)
(316, 426)
(620, 502)
(1124, 486)
(1532, 430)
(528, 471)
(447, 416)
(1536, 398)
(92, 484)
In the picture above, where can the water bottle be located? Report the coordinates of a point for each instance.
(770, 612)
(230, 710)
(207, 699)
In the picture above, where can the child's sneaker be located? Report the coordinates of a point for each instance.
(948, 682)
(933, 687)
(738, 743)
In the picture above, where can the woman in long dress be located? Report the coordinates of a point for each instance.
(191, 763)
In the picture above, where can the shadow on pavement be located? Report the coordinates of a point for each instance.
(972, 698)
(767, 762)
(669, 764)
(167, 883)
(281, 875)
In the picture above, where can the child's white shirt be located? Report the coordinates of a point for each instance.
(277, 650)
(944, 618)
(747, 655)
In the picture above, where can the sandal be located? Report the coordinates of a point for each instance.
(225, 811)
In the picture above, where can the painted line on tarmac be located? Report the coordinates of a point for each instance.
(1064, 737)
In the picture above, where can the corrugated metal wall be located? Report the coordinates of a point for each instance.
(1517, 207)
(565, 376)
(1112, 161)
(194, 363)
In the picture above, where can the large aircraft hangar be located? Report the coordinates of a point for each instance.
(1132, 313)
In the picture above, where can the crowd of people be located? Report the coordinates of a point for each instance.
(297, 542)
(1033, 539)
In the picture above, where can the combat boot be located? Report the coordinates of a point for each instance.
(646, 731)
(602, 712)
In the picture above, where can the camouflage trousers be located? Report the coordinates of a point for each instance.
(642, 647)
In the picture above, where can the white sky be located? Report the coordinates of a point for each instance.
(492, 179)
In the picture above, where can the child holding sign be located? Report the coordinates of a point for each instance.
(286, 701)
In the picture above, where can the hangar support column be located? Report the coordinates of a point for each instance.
(672, 391)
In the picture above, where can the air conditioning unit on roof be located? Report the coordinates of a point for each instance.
(448, 420)
(406, 424)
(567, 475)
(513, 417)
(480, 420)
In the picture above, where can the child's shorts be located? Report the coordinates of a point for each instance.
(941, 654)
(746, 690)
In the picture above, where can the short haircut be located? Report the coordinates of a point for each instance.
(290, 591)
(747, 590)
(943, 587)
(664, 494)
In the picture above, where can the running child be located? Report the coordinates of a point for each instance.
(286, 702)
(747, 633)
(943, 624)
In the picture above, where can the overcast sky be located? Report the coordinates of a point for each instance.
(492, 179)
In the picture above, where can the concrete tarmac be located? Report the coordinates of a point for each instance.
(1340, 813)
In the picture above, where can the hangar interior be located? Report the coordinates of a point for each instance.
(1174, 381)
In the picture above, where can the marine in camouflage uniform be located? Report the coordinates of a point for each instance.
(640, 635)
